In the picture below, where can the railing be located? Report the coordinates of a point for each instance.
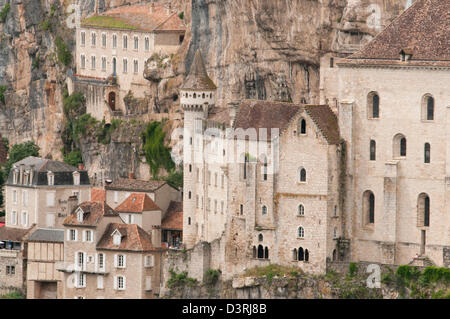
(69, 267)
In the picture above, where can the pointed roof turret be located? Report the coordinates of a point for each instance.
(198, 79)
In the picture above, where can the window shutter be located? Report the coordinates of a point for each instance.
(84, 235)
(124, 261)
(152, 261)
(148, 283)
(68, 235)
(100, 282)
(115, 261)
(124, 282)
(96, 262)
(115, 282)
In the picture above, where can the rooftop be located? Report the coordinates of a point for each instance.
(134, 238)
(136, 185)
(422, 30)
(137, 203)
(13, 234)
(198, 78)
(174, 217)
(47, 235)
(144, 17)
(93, 212)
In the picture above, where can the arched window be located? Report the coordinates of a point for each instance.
(260, 237)
(373, 105)
(368, 207)
(301, 210)
(306, 255)
(301, 254)
(303, 126)
(335, 232)
(203, 95)
(294, 254)
(427, 153)
(399, 146)
(190, 195)
(189, 220)
(334, 255)
(427, 107)
(264, 210)
(246, 158)
(194, 95)
(266, 253)
(260, 251)
(373, 150)
(423, 210)
(302, 175)
(254, 252)
(301, 232)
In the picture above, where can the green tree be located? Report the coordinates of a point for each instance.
(156, 153)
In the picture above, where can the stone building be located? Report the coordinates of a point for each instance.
(262, 177)
(38, 190)
(105, 258)
(172, 226)
(111, 51)
(394, 108)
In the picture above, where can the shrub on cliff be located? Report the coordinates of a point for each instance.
(4, 12)
(2, 93)
(64, 54)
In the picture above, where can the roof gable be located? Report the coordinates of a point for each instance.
(135, 238)
(137, 203)
(93, 212)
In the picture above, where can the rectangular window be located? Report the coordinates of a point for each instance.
(125, 65)
(104, 40)
(215, 179)
(88, 235)
(25, 198)
(93, 39)
(221, 207)
(81, 280)
(125, 42)
(100, 282)
(14, 195)
(50, 199)
(120, 283)
(72, 235)
(101, 261)
(222, 183)
(93, 62)
(148, 283)
(24, 219)
(136, 43)
(196, 201)
(103, 64)
(120, 261)
(80, 260)
(83, 61)
(136, 66)
(215, 206)
(149, 261)
(83, 38)
(10, 270)
(147, 44)
(14, 218)
(114, 41)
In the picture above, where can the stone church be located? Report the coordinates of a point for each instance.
(299, 185)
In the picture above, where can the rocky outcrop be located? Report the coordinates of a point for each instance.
(248, 47)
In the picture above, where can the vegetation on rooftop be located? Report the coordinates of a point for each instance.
(107, 22)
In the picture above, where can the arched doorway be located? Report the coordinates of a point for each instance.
(112, 100)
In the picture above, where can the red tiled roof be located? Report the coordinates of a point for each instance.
(423, 29)
(98, 195)
(93, 212)
(145, 17)
(137, 203)
(134, 238)
(136, 185)
(174, 217)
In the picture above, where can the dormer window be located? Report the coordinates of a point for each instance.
(51, 178)
(76, 178)
(117, 238)
(15, 176)
(405, 54)
(80, 215)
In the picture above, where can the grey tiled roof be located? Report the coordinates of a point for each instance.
(47, 235)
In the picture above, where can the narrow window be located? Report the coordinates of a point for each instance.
(294, 254)
(147, 44)
(125, 65)
(373, 147)
(306, 255)
(125, 42)
(303, 127)
(427, 153)
(302, 175)
(265, 169)
(426, 212)
(430, 108)
(371, 208)
(114, 41)
(93, 39)
(331, 62)
(403, 146)
(301, 210)
(245, 166)
(264, 210)
(136, 43)
(301, 232)
(136, 66)
(376, 106)
(260, 252)
(241, 207)
(254, 252)
(189, 220)
(301, 254)
(83, 61)
(260, 237)
(190, 195)
(93, 62)
(104, 40)
(266, 253)
(103, 64)
(83, 38)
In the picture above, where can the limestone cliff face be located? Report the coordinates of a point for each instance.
(249, 47)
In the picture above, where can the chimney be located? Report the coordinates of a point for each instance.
(72, 203)
(31, 174)
(22, 166)
(156, 236)
(131, 175)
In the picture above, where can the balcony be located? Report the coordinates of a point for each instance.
(90, 268)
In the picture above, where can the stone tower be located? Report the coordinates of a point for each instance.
(198, 94)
